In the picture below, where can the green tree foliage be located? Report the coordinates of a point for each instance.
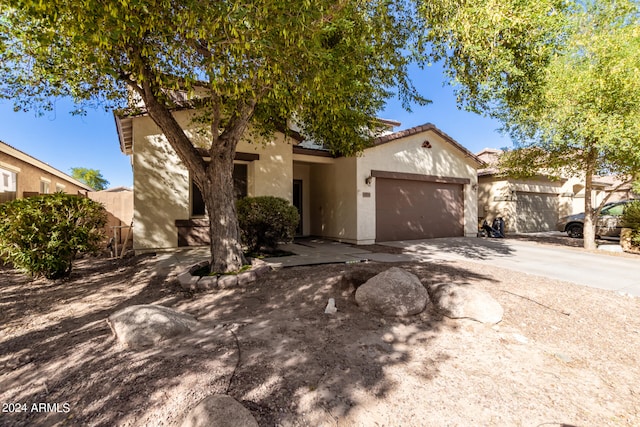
(253, 65)
(561, 75)
(494, 52)
(92, 177)
(631, 219)
(585, 119)
(266, 221)
(42, 235)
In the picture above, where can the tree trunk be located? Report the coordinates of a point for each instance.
(588, 230)
(220, 200)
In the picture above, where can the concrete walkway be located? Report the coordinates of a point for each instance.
(320, 251)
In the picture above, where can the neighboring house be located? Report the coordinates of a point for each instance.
(618, 190)
(417, 183)
(529, 205)
(23, 176)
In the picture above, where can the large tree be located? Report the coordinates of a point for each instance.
(327, 64)
(562, 76)
(585, 121)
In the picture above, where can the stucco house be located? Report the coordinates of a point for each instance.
(22, 175)
(530, 205)
(417, 183)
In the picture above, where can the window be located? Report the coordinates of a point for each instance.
(239, 185)
(44, 187)
(59, 188)
(614, 210)
(8, 185)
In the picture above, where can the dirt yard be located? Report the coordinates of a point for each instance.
(564, 355)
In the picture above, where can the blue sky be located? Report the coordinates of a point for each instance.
(65, 141)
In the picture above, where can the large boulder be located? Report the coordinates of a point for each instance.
(219, 410)
(142, 326)
(394, 292)
(464, 301)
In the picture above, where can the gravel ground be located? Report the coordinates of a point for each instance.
(562, 355)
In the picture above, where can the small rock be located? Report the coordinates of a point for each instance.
(246, 277)
(219, 410)
(187, 281)
(207, 282)
(331, 307)
(227, 281)
(521, 338)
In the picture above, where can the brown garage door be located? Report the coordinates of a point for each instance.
(407, 209)
(536, 212)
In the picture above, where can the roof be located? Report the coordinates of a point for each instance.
(385, 139)
(21, 155)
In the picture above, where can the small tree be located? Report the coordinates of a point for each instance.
(42, 235)
(266, 221)
(92, 177)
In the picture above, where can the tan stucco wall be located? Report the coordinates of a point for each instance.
(407, 155)
(333, 191)
(161, 182)
(119, 206)
(272, 175)
(29, 177)
(161, 188)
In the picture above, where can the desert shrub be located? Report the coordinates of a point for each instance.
(266, 221)
(631, 219)
(42, 235)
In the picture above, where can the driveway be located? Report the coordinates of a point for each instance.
(599, 270)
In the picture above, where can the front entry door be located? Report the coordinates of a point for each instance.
(297, 202)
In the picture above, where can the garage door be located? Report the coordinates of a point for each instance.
(536, 212)
(407, 209)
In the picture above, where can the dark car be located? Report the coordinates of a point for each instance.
(608, 224)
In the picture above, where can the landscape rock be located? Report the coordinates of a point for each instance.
(228, 281)
(463, 301)
(247, 277)
(219, 410)
(187, 281)
(394, 292)
(208, 282)
(142, 326)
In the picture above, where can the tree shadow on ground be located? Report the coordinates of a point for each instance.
(470, 248)
(267, 344)
(300, 365)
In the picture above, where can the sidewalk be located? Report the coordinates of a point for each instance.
(320, 251)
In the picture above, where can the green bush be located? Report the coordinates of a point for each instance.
(266, 221)
(631, 219)
(42, 235)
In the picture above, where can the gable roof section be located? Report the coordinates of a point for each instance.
(385, 139)
(20, 155)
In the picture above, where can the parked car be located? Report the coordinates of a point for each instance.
(608, 223)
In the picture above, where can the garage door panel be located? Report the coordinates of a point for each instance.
(408, 209)
(536, 212)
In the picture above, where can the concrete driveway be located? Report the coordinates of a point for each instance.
(600, 270)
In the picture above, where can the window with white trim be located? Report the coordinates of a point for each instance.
(45, 186)
(8, 185)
